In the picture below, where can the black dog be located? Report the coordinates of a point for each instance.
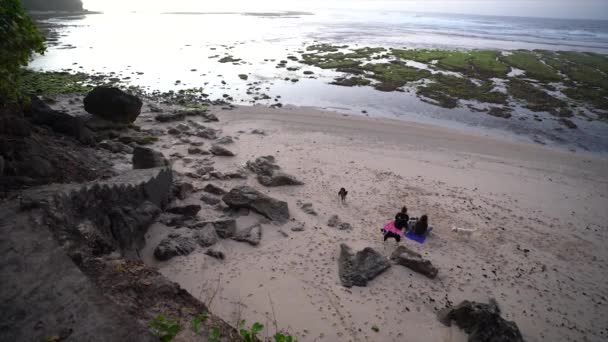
(342, 193)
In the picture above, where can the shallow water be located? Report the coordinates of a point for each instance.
(177, 51)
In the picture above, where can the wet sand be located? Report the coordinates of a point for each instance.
(539, 216)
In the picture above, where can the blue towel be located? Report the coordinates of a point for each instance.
(413, 236)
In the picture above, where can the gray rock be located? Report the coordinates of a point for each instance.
(251, 235)
(481, 321)
(307, 208)
(299, 227)
(218, 150)
(174, 245)
(174, 131)
(206, 236)
(224, 140)
(170, 117)
(215, 254)
(258, 131)
(147, 158)
(333, 221)
(202, 113)
(269, 174)
(225, 227)
(248, 197)
(115, 147)
(209, 199)
(345, 226)
(182, 190)
(358, 269)
(214, 189)
(414, 261)
(182, 127)
(207, 133)
(238, 174)
(189, 210)
(197, 150)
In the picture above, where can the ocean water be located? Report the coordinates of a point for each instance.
(169, 51)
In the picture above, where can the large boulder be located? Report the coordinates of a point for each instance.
(481, 321)
(173, 245)
(147, 158)
(247, 197)
(113, 104)
(414, 261)
(270, 174)
(358, 269)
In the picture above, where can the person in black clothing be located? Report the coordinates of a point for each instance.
(401, 219)
(422, 226)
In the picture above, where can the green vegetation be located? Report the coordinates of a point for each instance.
(250, 335)
(475, 63)
(165, 329)
(325, 47)
(197, 321)
(351, 81)
(537, 100)
(394, 75)
(19, 39)
(280, 337)
(215, 335)
(532, 65)
(446, 90)
(500, 112)
(597, 97)
(420, 55)
(55, 83)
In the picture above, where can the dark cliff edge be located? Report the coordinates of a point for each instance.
(71, 234)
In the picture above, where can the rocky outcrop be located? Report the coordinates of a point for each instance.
(414, 261)
(269, 173)
(358, 269)
(53, 5)
(147, 158)
(113, 104)
(248, 197)
(481, 321)
(224, 227)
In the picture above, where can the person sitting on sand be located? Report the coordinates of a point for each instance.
(422, 226)
(401, 219)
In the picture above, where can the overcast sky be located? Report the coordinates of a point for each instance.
(580, 9)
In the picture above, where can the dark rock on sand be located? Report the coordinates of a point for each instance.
(170, 117)
(270, 174)
(189, 210)
(115, 146)
(206, 133)
(358, 269)
(224, 227)
(39, 113)
(218, 150)
(251, 235)
(147, 158)
(206, 236)
(481, 321)
(113, 104)
(215, 254)
(174, 245)
(224, 140)
(209, 199)
(182, 190)
(247, 197)
(307, 208)
(333, 221)
(214, 189)
(202, 113)
(414, 261)
(197, 150)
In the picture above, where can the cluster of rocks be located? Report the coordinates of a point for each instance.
(270, 174)
(335, 222)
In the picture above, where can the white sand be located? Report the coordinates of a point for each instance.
(516, 195)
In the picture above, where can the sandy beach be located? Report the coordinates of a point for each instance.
(538, 215)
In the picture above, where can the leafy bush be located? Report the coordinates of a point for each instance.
(19, 39)
(198, 320)
(280, 337)
(165, 329)
(251, 334)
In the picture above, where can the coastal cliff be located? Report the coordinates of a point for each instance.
(53, 5)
